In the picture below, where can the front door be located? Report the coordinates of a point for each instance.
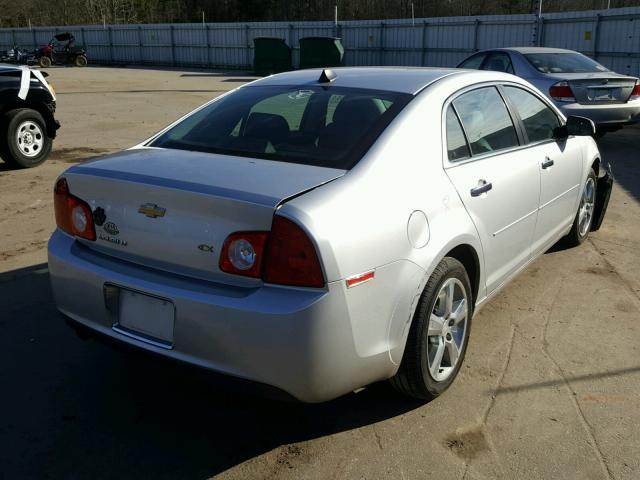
(559, 162)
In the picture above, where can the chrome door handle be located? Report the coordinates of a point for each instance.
(547, 163)
(483, 186)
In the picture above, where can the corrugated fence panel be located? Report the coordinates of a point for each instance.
(99, 45)
(190, 45)
(449, 42)
(156, 45)
(575, 35)
(362, 44)
(126, 44)
(610, 36)
(229, 45)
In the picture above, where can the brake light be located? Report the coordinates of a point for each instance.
(291, 257)
(561, 91)
(73, 215)
(635, 93)
(284, 256)
(242, 253)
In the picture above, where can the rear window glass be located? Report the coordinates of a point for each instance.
(563, 63)
(323, 126)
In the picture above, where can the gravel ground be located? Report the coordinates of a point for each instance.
(550, 386)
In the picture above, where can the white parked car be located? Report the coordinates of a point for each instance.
(317, 231)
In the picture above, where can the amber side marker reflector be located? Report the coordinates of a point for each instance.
(360, 278)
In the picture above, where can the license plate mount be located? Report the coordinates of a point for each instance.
(139, 315)
(601, 94)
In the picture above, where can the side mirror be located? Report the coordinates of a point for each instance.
(578, 126)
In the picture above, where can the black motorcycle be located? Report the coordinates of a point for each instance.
(18, 55)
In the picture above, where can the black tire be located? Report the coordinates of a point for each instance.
(80, 61)
(579, 234)
(413, 377)
(10, 148)
(44, 61)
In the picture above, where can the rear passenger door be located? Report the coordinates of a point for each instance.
(499, 187)
(559, 162)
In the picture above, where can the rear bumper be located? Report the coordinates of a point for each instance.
(604, 115)
(297, 340)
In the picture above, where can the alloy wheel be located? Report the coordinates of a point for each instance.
(585, 212)
(447, 329)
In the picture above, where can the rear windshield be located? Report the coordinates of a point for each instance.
(324, 126)
(563, 63)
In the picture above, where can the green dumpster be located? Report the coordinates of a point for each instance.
(271, 55)
(321, 52)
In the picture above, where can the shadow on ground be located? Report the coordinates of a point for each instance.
(75, 409)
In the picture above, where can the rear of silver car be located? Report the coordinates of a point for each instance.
(187, 253)
(577, 84)
(580, 86)
(152, 278)
(607, 98)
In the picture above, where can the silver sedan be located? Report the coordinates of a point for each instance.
(317, 231)
(575, 83)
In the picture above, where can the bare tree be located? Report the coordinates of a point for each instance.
(18, 13)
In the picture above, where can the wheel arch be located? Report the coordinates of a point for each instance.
(469, 258)
(595, 164)
(468, 251)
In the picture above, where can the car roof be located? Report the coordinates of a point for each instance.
(396, 79)
(5, 67)
(526, 50)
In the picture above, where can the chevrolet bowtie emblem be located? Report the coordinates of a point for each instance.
(152, 210)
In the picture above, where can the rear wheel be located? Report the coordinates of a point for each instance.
(439, 333)
(80, 61)
(44, 61)
(584, 216)
(23, 139)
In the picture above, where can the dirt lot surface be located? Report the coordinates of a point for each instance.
(550, 387)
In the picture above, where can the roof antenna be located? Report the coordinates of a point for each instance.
(327, 76)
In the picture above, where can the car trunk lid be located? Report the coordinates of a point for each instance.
(599, 87)
(172, 209)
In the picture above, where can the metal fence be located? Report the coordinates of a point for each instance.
(610, 36)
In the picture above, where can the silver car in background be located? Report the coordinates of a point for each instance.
(317, 231)
(575, 83)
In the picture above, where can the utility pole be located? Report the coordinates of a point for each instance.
(536, 7)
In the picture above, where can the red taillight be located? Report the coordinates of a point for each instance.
(291, 257)
(72, 214)
(635, 93)
(284, 256)
(561, 91)
(242, 253)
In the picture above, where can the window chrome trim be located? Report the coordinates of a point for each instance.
(521, 121)
(447, 164)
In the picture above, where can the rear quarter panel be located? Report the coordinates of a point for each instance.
(360, 223)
